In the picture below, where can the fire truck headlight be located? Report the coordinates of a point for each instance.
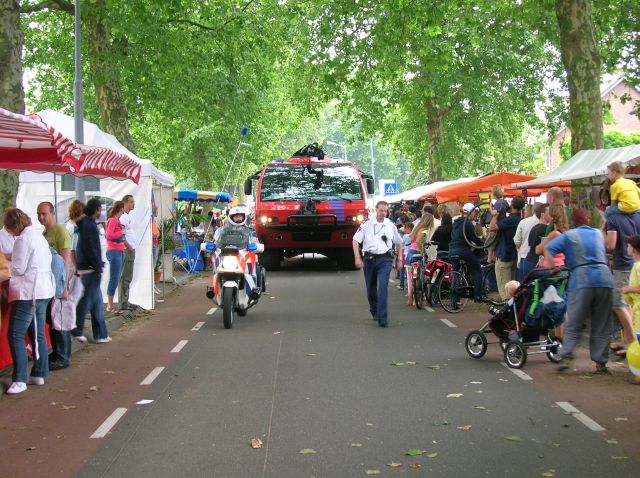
(360, 217)
(265, 219)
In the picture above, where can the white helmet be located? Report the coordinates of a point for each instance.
(238, 211)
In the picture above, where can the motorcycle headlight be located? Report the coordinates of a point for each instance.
(229, 262)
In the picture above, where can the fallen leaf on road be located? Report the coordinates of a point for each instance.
(513, 438)
(276, 333)
(396, 363)
(612, 441)
(455, 395)
(31, 448)
(356, 444)
(311, 355)
(144, 402)
(308, 451)
(621, 419)
(549, 474)
(434, 367)
(67, 407)
(95, 388)
(393, 464)
(479, 391)
(54, 403)
(369, 424)
(412, 363)
(444, 423)
(372, 472)
(256, 443)
(88, 396)
(432, 455)
(109, 372)
(464, 427)
(503, 380)
(414, 465)
(414, 452)
(476, 383)
(619, 457)
(479, 407)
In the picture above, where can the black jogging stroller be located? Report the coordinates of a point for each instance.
(527, 321)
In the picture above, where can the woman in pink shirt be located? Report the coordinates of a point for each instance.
(115, 250)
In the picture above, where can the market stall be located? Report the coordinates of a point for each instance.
(469, 190)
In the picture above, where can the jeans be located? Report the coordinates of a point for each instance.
(376, 276)
(154, 251)
(22, 321)
(91, 301)
(524, 268)
(116, 261)
(472, 261)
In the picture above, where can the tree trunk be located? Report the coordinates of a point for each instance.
(105, 77)
(581, 60)
(11, 91)
(435, 135)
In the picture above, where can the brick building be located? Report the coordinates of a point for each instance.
(621, 118)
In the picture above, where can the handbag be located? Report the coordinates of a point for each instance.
(63, 311)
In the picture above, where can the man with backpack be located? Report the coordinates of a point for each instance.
(60, 242)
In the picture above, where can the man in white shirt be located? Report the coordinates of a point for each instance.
(378, 236)
(129, 253)
(521, 239)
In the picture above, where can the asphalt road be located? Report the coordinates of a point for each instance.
(327, 391)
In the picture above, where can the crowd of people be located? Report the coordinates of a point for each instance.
(603, 261)
(41, 269)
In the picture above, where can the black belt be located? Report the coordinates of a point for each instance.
(371, 255)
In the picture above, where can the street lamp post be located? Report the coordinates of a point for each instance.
(344, 148)
(373, 171)
(78, 103)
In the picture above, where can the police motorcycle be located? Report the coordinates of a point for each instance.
(238, 280)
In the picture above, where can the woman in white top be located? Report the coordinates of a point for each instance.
(30, 289)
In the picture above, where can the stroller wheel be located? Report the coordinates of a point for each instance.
(515, 354)
(553, 346)
(476, 344)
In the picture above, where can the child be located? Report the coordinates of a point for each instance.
(632, 291)
(510, 289)
(623, 191)
(406, 243)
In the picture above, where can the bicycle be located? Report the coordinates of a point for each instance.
(455, 288)
(425, 272)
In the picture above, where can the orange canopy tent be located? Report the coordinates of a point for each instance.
(469, 190)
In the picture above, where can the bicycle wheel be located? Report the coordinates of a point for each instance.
(451, 289)
(489, 285)
(418, 289)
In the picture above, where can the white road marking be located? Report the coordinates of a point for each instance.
(448, 323)
(179, 346)
(197, 326)
(212, 310)
(581, 417)
(518, 373)
(152, 376)
(429, 309)
(108, 424)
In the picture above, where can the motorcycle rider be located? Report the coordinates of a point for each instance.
(239, 233)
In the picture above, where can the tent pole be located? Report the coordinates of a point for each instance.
(55, 192)
(162, 238)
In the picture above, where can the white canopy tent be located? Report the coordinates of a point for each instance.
(419, 191)
(587, 163)
(35, 188)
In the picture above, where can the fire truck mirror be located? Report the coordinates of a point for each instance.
(248, 187)
(371, 187)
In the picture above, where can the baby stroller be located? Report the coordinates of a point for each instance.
(537, 307)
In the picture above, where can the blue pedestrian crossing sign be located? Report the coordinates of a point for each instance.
(390, 189)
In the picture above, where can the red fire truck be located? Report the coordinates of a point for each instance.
(308, 203)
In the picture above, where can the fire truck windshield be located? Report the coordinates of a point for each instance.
(323, 182)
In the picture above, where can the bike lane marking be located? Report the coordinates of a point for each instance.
(148, 380)
(517, 373)
(198, 326)
(179, 346)
(448, 323)
(108, 424)
(212, 310)
(581, 417)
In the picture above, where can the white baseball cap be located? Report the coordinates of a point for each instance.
(468, 207)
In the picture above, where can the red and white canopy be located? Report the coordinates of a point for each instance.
(28, 144)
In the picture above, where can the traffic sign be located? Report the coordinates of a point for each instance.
(390, 189)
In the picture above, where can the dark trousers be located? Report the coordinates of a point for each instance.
(60, 342)
(472, 261)
(125, 279)
(376, 275)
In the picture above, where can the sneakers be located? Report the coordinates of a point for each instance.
(35, 381)
(80, 338)
(601, 369)
(565, 364)
(57, 366)
(17, 387)
(106, 340)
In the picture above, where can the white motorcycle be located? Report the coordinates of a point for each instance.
(238, 281)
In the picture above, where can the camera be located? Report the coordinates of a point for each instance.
(384, 238)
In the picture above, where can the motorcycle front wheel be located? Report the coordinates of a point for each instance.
(228, 307)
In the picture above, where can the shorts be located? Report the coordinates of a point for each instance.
(620, 279)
